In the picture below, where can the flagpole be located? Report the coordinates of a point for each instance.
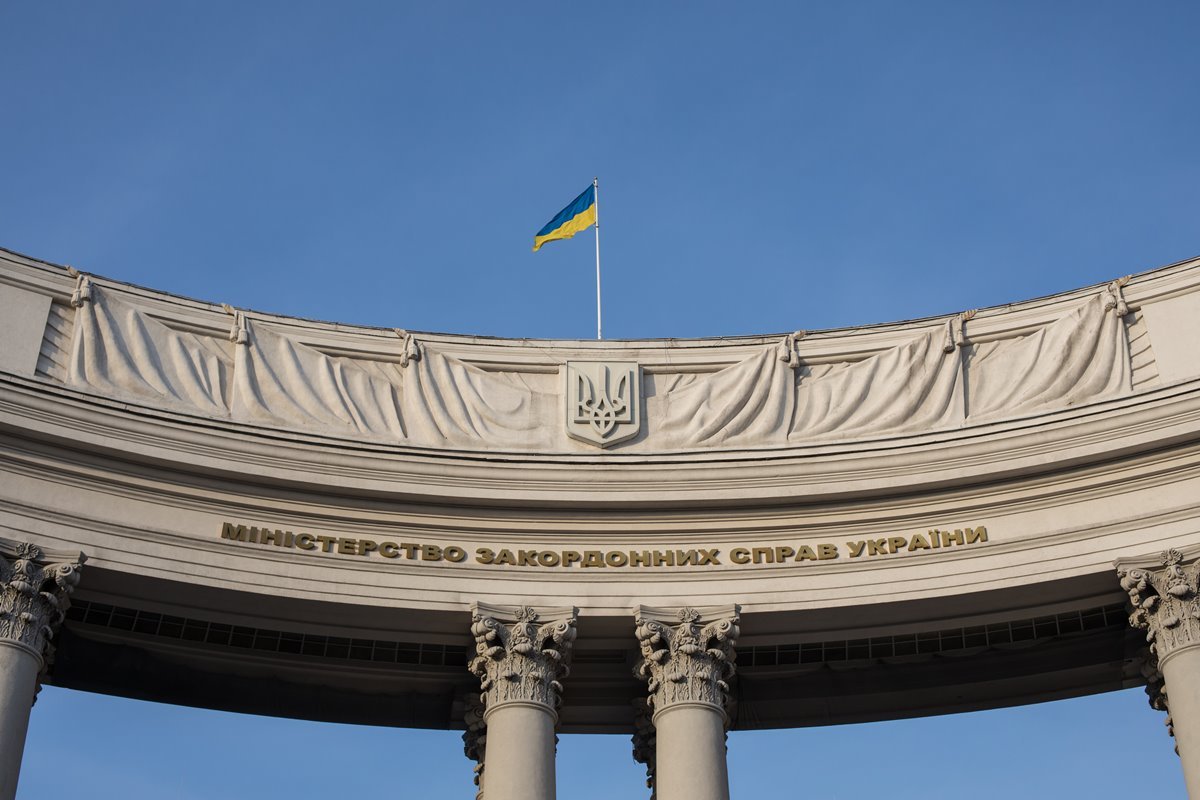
(596, 195)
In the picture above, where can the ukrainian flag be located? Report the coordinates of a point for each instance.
(578, 216)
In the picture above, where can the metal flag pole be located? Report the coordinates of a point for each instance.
(596, 198)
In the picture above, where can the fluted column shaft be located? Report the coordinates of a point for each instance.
(1165, 603)
(522, 655)
(687, 662)
(34, 595)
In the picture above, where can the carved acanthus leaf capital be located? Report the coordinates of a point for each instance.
(1163, 601)
(687, 654)
(522, 654)
(35, 590)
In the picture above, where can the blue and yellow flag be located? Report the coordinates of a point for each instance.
(578, 216)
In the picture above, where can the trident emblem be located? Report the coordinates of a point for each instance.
(599, 408)
(602, 398)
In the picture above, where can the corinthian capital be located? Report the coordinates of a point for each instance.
(1163, 600)
(522, 654)
(35, 589)
(687, 654)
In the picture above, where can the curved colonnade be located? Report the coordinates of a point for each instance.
(213, 506)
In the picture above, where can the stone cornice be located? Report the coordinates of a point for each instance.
(1053, 441)
(1154, 284)
(775, 457)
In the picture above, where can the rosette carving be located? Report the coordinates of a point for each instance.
(520, 657)
(35, 591)
(688, 659)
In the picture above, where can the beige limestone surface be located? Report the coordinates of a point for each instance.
(1067, 428)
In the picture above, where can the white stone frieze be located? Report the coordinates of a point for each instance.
(266, 373)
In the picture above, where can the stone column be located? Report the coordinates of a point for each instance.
(687, 663)
(34, 596)
(1164, 602)
(521, 658)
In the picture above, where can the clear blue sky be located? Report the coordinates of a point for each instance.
(763, 166)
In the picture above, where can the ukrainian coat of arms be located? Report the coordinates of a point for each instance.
(604, 401)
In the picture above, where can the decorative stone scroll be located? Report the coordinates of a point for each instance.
(645, 742)
(687, 655)
(1163, 602)
(35, 592)
(522, 654)
(475, 738)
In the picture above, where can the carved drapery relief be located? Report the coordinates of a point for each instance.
(1163, 602)
(121, 351)
(34, 595)
(687, 656)
(1090, 362)
(410, 392)
(520, 657)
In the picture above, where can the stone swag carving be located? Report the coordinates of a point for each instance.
(691, 662)
(275, 376)
(34, 597)
(519, 658)
(787, 348)
(410, 350)
(1165, 604)
(83, 288)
